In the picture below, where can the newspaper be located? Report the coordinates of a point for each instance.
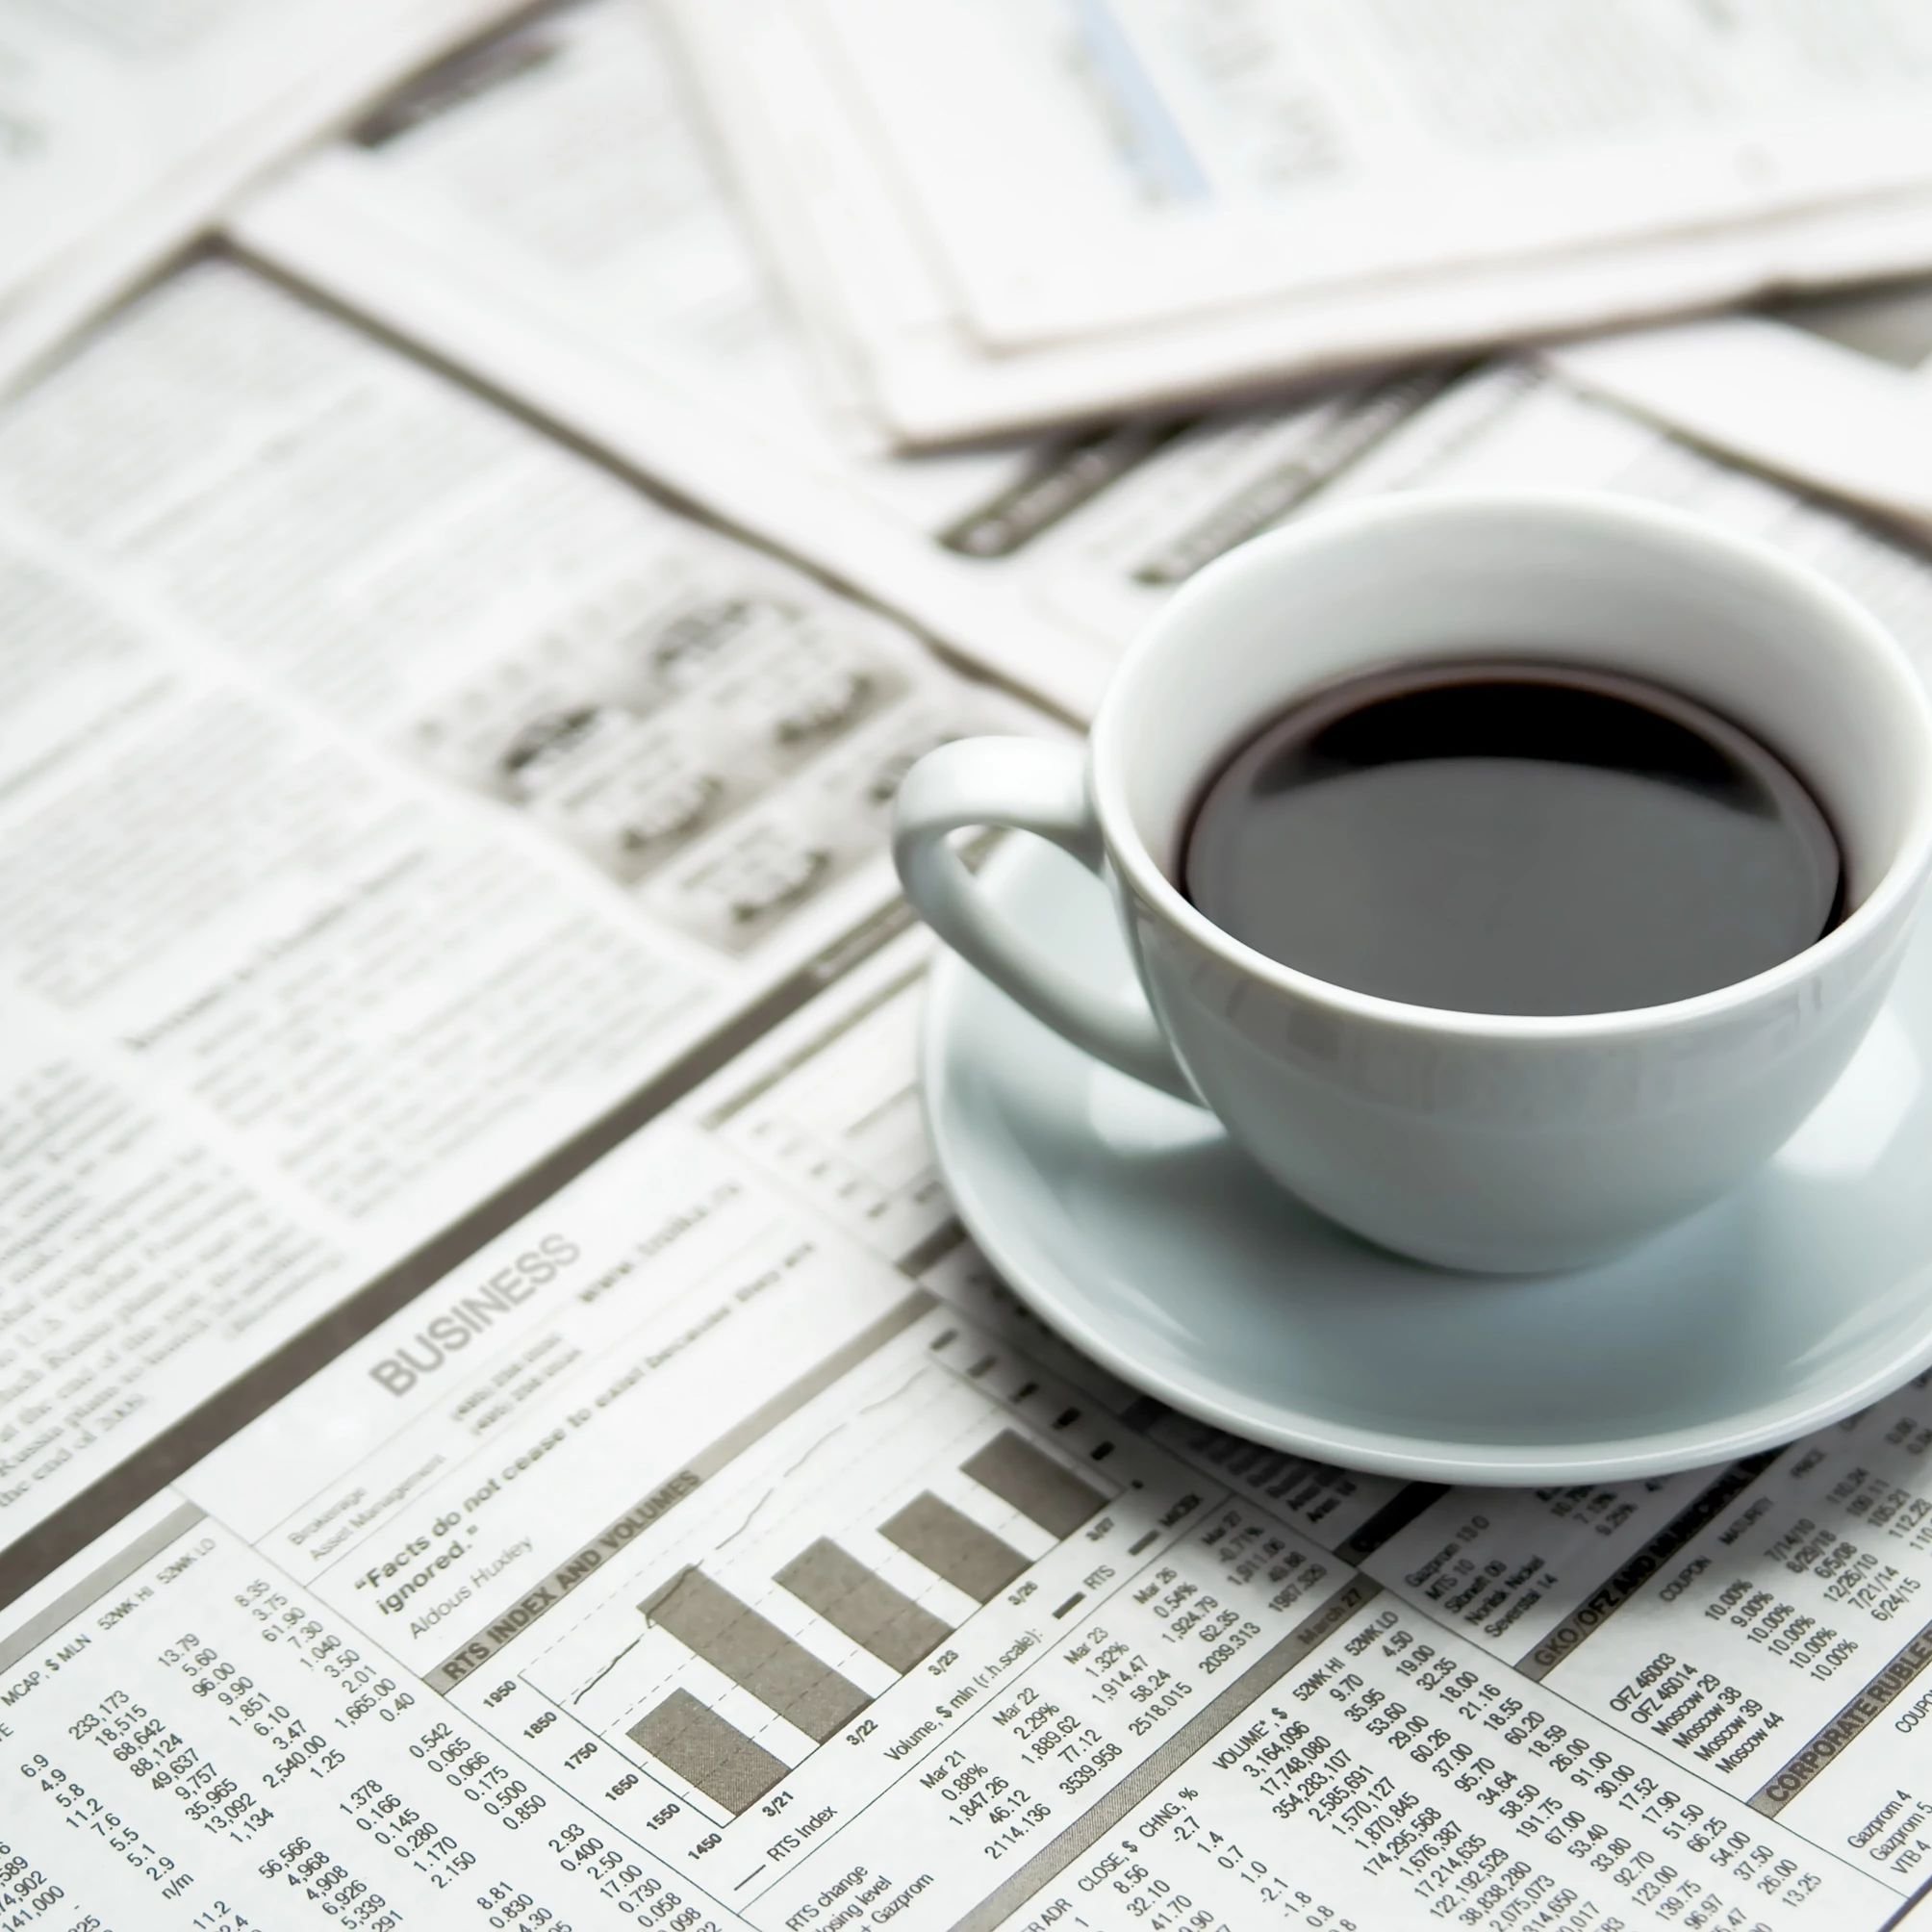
(561, 170)
(1042, 579)
(695, 1532)
(552, 295)
(1033, 582)
(1849, 374)
(916, 257)
(1154, 163)
(126, 127)
(544, 211)
(499, 1423)
(389, 798)
(720, 1547)
(516, 209)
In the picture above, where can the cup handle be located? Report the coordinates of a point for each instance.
(1032, 787)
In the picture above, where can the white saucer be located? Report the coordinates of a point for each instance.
(1130, 1224)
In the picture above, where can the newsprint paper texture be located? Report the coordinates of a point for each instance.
(499, 1424)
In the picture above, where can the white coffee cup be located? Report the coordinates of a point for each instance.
(1473, 1140)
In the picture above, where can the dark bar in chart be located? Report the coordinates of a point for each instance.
(755, 1654)
(708, 1754)
(1042, 1489)
(863, 1605)
(954, 1547)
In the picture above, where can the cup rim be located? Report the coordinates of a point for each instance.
(1698, 540)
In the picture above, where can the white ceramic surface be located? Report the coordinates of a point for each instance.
(1131, 1222)
(1479, 1141)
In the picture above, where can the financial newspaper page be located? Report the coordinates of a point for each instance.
(719, 1545)
(125, 125)
(790, 102)
(387, 795)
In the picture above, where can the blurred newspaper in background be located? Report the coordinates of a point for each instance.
(549, 211)
(499, 1422)
(127, 126)
(1004, 216)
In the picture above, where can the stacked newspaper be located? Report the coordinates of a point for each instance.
(499, 1425)
(1003, 214)
(126, 124)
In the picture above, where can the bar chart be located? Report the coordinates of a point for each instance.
(864, 1538)
(867, 1608)
(702, 1748)
(735, 1770)
(908, 1619)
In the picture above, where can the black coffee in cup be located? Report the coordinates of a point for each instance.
(1513, 838)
